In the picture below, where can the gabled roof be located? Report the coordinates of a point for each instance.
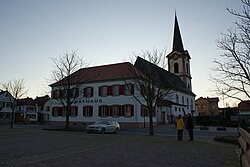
(26, 101)
(100, 73)
(40, 101)
(162, 76)
(6, 93)
(208, 99)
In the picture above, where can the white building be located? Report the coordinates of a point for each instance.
(43, 108)
(6, 104)
(110, 93)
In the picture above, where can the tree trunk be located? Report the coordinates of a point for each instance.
(67, 117)
(151, 124)
(12, 118)
(67, 120)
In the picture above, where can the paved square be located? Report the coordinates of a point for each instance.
(37, 147)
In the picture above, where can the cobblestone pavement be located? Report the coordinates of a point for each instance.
(28, 147)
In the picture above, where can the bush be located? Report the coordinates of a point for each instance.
(232, 124)
(215, 121)
(221, 129)
(227, 139)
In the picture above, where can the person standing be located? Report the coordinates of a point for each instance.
(190, 127)
(179, 123)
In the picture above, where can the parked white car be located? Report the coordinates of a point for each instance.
(104, 126)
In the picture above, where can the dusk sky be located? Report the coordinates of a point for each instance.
(106, 32)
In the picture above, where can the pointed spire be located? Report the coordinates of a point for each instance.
(177, 41)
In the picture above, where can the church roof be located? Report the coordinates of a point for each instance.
(161, 75)
(177, 41)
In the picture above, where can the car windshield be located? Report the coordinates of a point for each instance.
(102, 122)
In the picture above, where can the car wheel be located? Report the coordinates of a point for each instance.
(116, 130)
(103, 131)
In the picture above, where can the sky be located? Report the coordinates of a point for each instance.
(107, 32)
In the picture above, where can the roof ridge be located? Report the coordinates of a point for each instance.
(105, 65)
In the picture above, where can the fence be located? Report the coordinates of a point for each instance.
(244, 148)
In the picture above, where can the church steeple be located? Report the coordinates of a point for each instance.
(179, 59)
(177, 41)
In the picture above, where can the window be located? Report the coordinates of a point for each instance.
(103, 111)
(129, 89)
(2, 104)
(177, 99)
(74, 92)
(191, 105)
(74, 111)
(187, 103)
(87, 111)
(115, 90)
(115, 110)
(88, 92)
(128, 110)
(187, 68)
(4, 116)
(183, 100)
(47, 108)
(55, 112)
(57, 94)
(103, 91)
(121, 89)
(63, 111)
(144, 111)
(176, 68)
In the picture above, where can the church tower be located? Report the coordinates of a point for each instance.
(179, 59)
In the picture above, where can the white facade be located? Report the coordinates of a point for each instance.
(132, 108)
(6, 104)
(164, 114)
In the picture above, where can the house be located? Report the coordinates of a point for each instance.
(207, 106)
(43, 109)
(6, 105)
(26, 111)
(244, 107)
(229, 113)
(110, 93)
(244, 111)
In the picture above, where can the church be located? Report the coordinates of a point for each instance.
(109, 92)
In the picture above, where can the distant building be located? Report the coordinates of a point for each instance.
(26, 111)
(229, 113)
(207, 106)
(244, 107)
(6, 104)
(43, 106)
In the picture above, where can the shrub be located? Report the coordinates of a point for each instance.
(227, 139)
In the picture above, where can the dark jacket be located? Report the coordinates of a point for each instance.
(189, 124)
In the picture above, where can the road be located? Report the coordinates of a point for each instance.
(170, 131)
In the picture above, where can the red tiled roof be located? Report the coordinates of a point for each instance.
(26, 101)
(101, 73)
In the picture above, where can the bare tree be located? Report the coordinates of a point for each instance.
(66, 81)
(150, 80)
(233, 72)
(17, 90)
